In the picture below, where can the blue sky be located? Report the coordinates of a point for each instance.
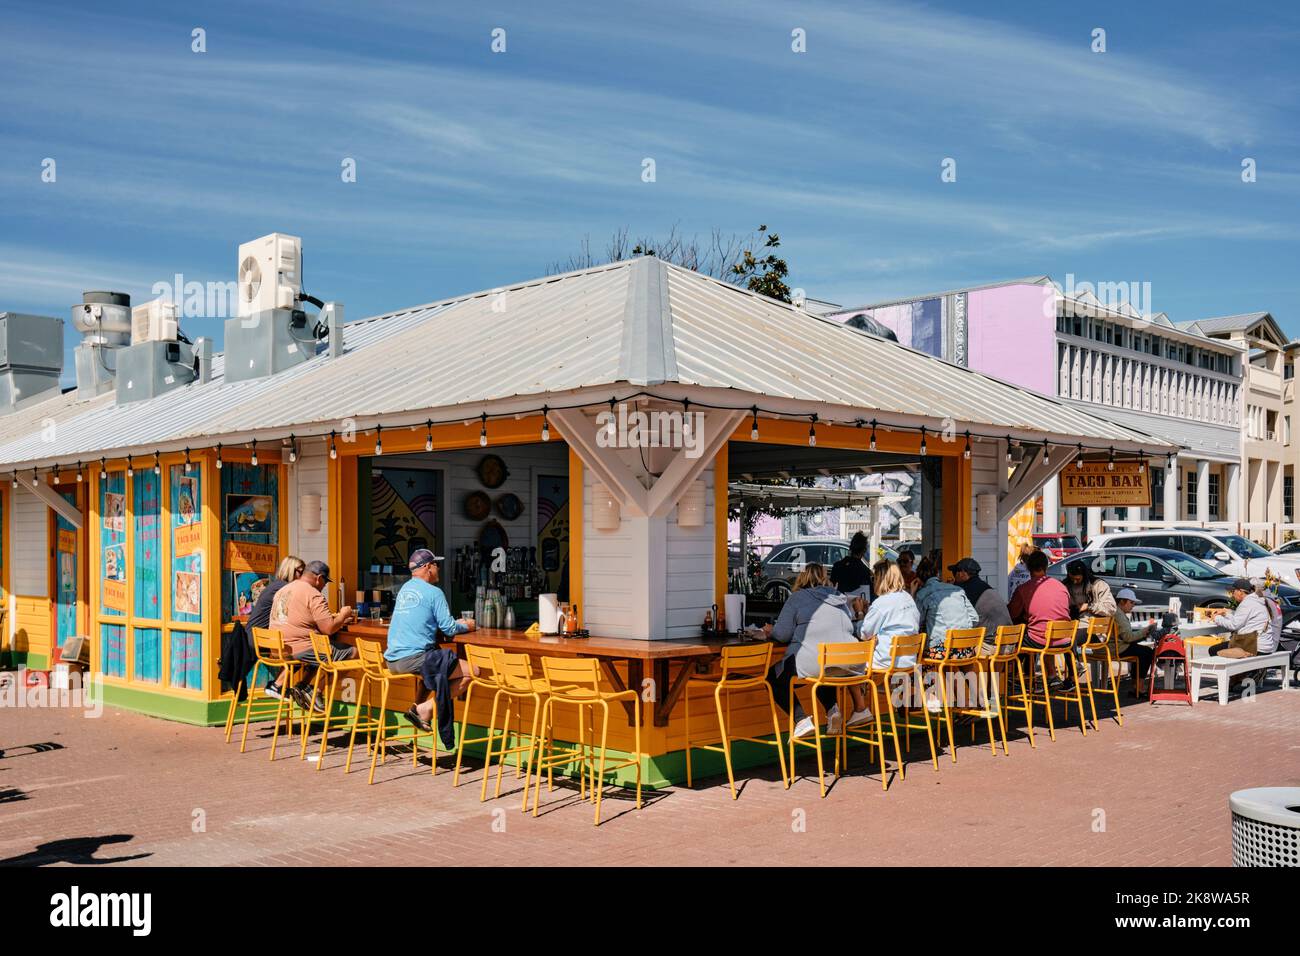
(476, 169)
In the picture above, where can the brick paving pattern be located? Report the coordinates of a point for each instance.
(130, 788)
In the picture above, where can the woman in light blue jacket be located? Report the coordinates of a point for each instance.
(892, 614)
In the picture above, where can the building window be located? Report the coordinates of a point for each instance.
(1158, 492)
(1288, 497)
(1190, 484)
(1288, 370)
(1214, 497)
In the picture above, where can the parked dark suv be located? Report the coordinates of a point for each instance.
(1157, 574)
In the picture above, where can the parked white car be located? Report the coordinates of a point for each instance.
(1231, 553)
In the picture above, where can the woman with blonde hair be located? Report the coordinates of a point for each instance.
(892, 614)
(290, 569)
(816, 613)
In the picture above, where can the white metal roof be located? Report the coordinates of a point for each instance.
(640, 322)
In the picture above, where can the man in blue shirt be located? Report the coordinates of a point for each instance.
(420, 616)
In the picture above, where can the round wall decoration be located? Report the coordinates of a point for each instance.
(492, 471)
(509, 506)
(477, 505)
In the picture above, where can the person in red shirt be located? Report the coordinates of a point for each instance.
(1039, 600)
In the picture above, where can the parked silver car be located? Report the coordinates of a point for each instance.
(784, 562)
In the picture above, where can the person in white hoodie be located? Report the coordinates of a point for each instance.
(816, 613)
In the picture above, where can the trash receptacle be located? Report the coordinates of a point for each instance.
(1266, 826)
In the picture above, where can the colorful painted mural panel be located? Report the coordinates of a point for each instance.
(404, 512)
(187, 542)
(553, 532)
(112, 541)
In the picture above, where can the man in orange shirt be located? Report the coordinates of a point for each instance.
(298, 610)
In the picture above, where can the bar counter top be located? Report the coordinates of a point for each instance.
(620, 648)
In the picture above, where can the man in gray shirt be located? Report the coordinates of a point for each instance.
(1251, 623)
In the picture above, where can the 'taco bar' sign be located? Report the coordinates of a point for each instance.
(1095, 486)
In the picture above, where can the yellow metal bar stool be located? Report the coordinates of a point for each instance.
(1101, 647)
(485, 680)
(268, 646)
(375, 674)
(744, 668)
(995, 669)
(516, 686)
(911, 703)
(840, 666)
(327, 668)
(575, 682)
(1059, 637)
(959, 656)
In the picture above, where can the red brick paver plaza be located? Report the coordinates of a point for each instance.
(146, 785)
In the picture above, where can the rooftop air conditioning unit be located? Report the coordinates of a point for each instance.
(154, 321)
(270, 273)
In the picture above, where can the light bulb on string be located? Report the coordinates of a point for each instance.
(103, 469)
(219, 461)
(130, 469)
(189, 465)
(428, 435)
(611, 426)
(1078, 458)
(379, 439)
(334, 451)
(1110, 463)
(1008, 449)
(254, 459)
(753, 425)
(812, 432)
(924, 451)
(79, 475)
(966, 451)
(293, 449)
(872, 443)
(482, 432)
(1047, 457)
(157, 465)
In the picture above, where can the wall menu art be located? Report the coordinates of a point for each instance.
(250, 525)
(112, 545)
(249, 585)
(187, 543)
(250, 514)
(65, 549)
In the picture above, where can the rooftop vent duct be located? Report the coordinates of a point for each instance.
(31, 357)
(159, 358)
(104, 321)
(272, 332)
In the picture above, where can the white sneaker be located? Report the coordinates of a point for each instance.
(804, 728)
(833, 721)
(860, 717)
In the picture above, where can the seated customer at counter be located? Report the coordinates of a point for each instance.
(989, 604)
(297, 610)
(291, 569)
(813, 615)
(942, 607)
(850, 573)
(420, 616)
(892, 614)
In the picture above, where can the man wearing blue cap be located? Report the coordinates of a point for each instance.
(420, 616)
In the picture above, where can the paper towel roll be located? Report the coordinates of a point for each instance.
(734, 609)
(548, 613)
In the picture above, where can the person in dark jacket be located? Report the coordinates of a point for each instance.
(851, 573)
(990, 606)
